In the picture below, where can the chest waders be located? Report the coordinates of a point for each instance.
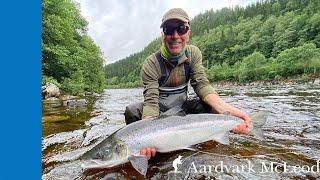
(170, 97)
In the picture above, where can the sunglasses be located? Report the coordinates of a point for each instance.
(181, 30)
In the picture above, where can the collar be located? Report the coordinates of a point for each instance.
(173, 60)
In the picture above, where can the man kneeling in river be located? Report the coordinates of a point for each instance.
(166, 74)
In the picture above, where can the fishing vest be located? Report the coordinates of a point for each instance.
(170, 97)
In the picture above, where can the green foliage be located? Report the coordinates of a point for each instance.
(277, 77)
(75, 84)
(298, 60)
(303, 78)
(69, 56)
(48, 79)
(252, 67)
(314, 65)
(263, 41)
(220, 72)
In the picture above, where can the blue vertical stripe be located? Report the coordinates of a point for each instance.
(20, 89)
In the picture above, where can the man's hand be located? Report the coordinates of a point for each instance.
(244, 127)
(149, 152)
(220, 106)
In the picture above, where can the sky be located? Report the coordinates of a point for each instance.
(123, 27)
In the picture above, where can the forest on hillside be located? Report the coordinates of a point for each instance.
(70, 59)
(266, 40)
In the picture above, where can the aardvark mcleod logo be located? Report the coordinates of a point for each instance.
(175, 164)
(245, 166)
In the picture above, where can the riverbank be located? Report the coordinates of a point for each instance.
(292, 80)
(297, 79)
(67, 113)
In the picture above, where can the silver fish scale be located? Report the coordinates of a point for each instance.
(148, 133)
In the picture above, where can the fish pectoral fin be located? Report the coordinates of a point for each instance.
(92, 164)
(223, 138)
(140, 163)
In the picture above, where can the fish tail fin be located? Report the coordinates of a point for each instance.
(258, 120)
(257, 132)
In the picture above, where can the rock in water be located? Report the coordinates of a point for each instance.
(75, 103)
(50, 90)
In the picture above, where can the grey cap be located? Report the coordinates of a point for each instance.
(175, 13)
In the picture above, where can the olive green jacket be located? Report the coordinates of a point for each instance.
(151, 73)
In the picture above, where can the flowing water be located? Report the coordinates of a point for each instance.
(291, 149)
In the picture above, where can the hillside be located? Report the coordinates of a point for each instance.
(264, 41)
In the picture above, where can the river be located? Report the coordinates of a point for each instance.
(291, 149)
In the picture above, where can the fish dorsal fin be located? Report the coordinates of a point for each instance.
(140, 163)
(223, 138)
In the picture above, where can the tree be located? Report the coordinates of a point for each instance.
(251, 67)
(68, 54)
(297, 60)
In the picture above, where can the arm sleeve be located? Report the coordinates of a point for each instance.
(150, 76)
(199, 81)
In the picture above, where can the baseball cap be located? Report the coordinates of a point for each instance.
(175, 13)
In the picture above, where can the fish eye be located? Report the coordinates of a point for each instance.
(106, 151)
(101, 154)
